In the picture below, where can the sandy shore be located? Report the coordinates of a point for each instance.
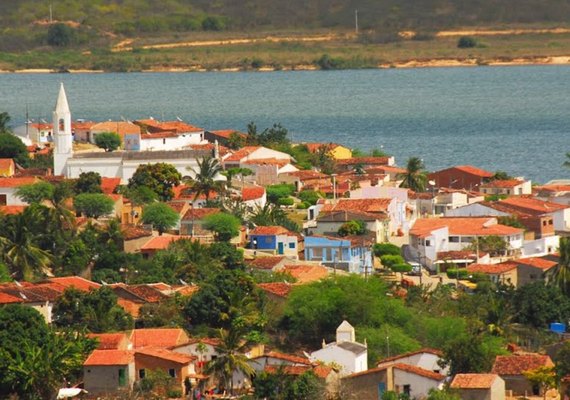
(427, 63)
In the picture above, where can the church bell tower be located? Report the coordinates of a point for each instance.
(62, 137)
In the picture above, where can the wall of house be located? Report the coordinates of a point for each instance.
(8, 171)
(562, 220)
(147, 363)
(289, 245)
(475, 210)
(368, 386)
(427, 361)
(264, 242)
(540, 247)
(105, 378)
(332, 353)
(498, 389)
(475, 394)
(171, 143)
(454, 178)
(192, 349)
(518, 384)
(45, 308)
(11, 198)
(419, 385)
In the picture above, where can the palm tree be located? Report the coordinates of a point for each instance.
(205, 179)
(560, 275)
(19, 245)
(230, 357)
(415, 177)
(4, 121)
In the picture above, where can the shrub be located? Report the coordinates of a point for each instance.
(60, 35)
(256, 63)
(401, 268)
(352, 228)
(466, 42)
(390, 260)
(457, 273)
(213, 23)
(310, 196)
(382, 249)
(276, 192)
(303, 205)
(108, 141)
(285, 201)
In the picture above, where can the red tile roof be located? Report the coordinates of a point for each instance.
(12, 210)
(269, 231)
(537, 262)
(76, 282)
(108, 185)
(131, 232)
(161, 242)
(463, 226)
(473, 171)
(146, 292)
(532, 206)
(120, 127)
(553, 188)
(473, 381)
(306, 273)
(307, 175)
(411, 353)
(286, 357)
(17, 181)
(6, 298)
(517, 364)
(492, 269)
(109, 357)
(209, 341)
(252, 193)
(361, 205)
(163, 354)
(159, 337)
(419, 371)
(226, 133)
(108, 341)
(177, 206)
(265, 262)
(280, 289)
(159, 135)
(242, 153)
(287, 369)
(6, 163)
(176, 126)
(365, 161)
(503, 183)
(197, 214)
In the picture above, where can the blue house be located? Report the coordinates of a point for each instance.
(352, 254)
(274, 240)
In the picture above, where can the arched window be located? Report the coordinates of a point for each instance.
(61, 124)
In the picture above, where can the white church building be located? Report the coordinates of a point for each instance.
(345, 352)
(116, 164)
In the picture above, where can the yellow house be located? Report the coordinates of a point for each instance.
(336, 151)
(7, 167)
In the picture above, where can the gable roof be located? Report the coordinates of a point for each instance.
(163, 354)
(197, 214)
(492, 269)
(161, 242)
(426, 350)
(157, 337)
(270, 231)
(463, 226)
(306, 273)
(76, 282)
(285, 357)
(365, 161)
(109, 357)
(17, 181)
(252, 193)
(516, 364)
(473, 381)
(108, 341)
(403, 367)
(469, 169)
(379, 205)
(503, 183)
(12, 210)
(6, 163)
(530, 205)
(226, 133)
(267, 263)
(242, 153)
(280, 289)
(537, 262)
(108, 185)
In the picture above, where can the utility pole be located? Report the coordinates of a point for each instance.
(356, 21)
(50, 14)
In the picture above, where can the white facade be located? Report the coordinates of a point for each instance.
(419, 386)
(62, 133)
(541, 247)
(7, 195)
(475, 210)
(346, 352)
(423, 359)
(153, 142)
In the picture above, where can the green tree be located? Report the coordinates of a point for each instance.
(60, 35)
(544, 377)
(389, 260)
(205, 181)
(444, 394)
(466, 42)
(415, 177)
(270, 215)
(280, 191)
(538, 304)
(88, 182)
(109, 141)
(511, 220)
(382, 249)
(501, 176)
(401, 268)
(323, 160)
(560, 275)
(35, 192)
(4, 122)
(167, 313)
(230, 358)
(12, 147)
(492, 244)
(140, 195)
(159, 177)
(236, 141)
(467, 354)
(160, 216)
(93, 205)
(310, 196)
(225, 226)
(562, 360)
(19, 242)
(354, 227)
(96, 311)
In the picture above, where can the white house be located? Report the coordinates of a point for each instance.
(434, 235)
(245, 155)
(507, 187)
(346, 351)
(254, 196)
(479, 386)
(425, 358)
(9, 186)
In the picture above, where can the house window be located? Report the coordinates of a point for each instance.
(163, 141)
(268, 239)
(141, 373)
(550, 222)
(466, 239)
(292, 245)
(427, 243)
(532, 276)
(172, 372)
(407, 390)
(317, 253)
(454, 239)
(543, 223)
(3, 199)
(122, 377)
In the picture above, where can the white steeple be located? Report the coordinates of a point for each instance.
(62, 137)
(345, 333)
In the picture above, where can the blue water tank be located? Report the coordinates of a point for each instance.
(557, 327)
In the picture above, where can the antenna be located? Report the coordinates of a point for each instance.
(356, 21)
(50, 14)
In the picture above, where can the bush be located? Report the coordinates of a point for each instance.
(285, 201)
(108, 141)
(276, 192)
(214, 23)
(383, 249)
(303, 205)
(401, 268)
(310, 196)
(60, 35)
(466, 42)
(457, 273)
(352, 228)
(390, 260)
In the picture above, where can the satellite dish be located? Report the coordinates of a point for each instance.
(432, 183)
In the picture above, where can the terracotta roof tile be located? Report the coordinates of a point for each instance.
(159, 337)
(281, 289)
(265, 262)
(365, 161)
(252, 193)
(269, 231)
(503, 183)
(108, 185)
(159, 135)
(267, 161)
(242, 153)
(109, 357)
(473, 171)
(131, 232)
(17, 181)
(161, 242)
(209, 341)
(77, 282)
(177, 206)
(146, 292)
(6, 163)
(287, 369)
(359, 205)
(464, 226)
(108, 341)
(175, 126)
(197, 214)
(307, 175)
(473, 381)
(226, 133)
(537, 262)
(163, 354)
(286, 357)
(306, 273)
(12, 210)
(532, 206)
(419, 371)
(6, 298)
(492, 269)
(517, 364)
(120, 127)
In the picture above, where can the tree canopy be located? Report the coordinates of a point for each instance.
(161, 216)
(159, 177)
(109, 141)
(93, 205)
(12, 147)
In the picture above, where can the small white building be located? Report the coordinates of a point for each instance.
(425, 358)
(9, 186)
(508, 187)
(479, 386)
(346, 351)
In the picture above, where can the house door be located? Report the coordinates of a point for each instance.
(381, 389)
(280, 248)
(3, 199)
